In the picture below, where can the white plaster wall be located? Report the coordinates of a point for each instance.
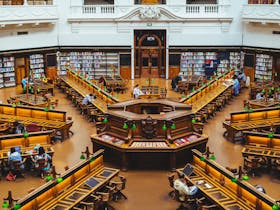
(201, 33)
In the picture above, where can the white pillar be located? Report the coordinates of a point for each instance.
(176, 2)
(276, 2)
(167, 62)
(123, 2)
(132, 61)
(25, 2)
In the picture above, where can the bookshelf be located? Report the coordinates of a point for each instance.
(263, 69)
(7, 72)
(192, 63)
(36, 65)
(235, 60)
(94, 64)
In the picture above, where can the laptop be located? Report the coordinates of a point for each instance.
(188, 169)
(91, 182)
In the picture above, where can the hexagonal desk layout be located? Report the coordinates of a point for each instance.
(148, 133)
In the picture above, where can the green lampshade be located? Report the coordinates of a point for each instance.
(275, 207)
(212, 157)
(269, 92)
(164, 127)
(189, 97)
(109, 96)
(14, 105)
(24, 88)
(211, 78)
(193, 89)
(173, 126)
(125, 126)
(32, 91)
(245, 177)
(263, 90)
(46, 109)
(59, 180)
(199, 90)
(49, 178)
(270, 135)
(193, 121)
(234, 180)
(133, 127)
(82, 157)
(38, 90)
(83, 78)
(105, 120)
(272, 88)
(5, 204)
(51, 106)
(92, 159)
(25, 135)
(17, 206)
(278, 89)
(182, 96)
(202, 158)
(99, 90)
(245, 108)
(250, 110)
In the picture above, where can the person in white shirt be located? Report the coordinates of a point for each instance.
(88, 99)
(137, 92)
(182, 187)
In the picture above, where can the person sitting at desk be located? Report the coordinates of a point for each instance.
(42, 155)
(88, 99)
(137, 92)
(259, 96)
(180, 184)
(14, 156)
(18, 128)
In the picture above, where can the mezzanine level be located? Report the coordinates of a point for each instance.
(261, 13)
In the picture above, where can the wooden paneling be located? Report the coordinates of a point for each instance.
(51, 72)
(125, 72)
(20, 74)
(173, 71)
(250, 71)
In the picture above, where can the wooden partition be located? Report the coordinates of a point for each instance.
(223, 188)
(47, 119)
(252, 119)
(27, 144)
(266, 146)
(208, 92)
(57, 194)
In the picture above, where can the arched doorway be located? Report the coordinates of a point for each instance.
(150, 54)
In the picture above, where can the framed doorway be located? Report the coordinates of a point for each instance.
(150, 53)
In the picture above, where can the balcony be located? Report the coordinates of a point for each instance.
(193, 12)
(261, 13)
(27, 14)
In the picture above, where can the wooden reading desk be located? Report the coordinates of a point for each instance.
(153, 92)
(251, 119)
(262, 145)
(77, 184)
(257, 104)
(30, 100)
(47, 119)
(223, 188)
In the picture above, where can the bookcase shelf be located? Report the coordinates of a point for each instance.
(7, 72)
(263, 69)
(37, 65)
(93, 64)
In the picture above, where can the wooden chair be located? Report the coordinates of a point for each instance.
(41, 166)
(16, 167)
(106, 197)
(171, 184)
(204, 204)
(253, 165)
(119, 187)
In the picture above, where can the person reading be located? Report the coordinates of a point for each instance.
(14, 156)
(137, 92)
(88, 99)
(180, 184)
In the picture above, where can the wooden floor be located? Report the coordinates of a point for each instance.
(146, 189)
